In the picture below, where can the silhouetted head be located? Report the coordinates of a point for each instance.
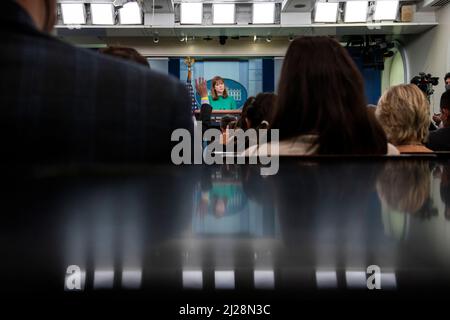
(321, 92)
(125, 53)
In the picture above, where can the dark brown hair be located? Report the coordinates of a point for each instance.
(225, 121)
(126, 53)
(260, 110)
(241, 123)
(321, 92)
(213, 91)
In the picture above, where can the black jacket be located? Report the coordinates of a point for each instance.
(63, 104)
(439, 140)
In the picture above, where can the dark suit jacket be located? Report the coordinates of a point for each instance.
(439, 140)
(61, 104)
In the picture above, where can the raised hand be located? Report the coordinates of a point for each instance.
(200, 86)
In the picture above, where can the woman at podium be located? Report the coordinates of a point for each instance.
(219, 98)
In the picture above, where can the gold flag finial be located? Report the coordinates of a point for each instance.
(189, 62)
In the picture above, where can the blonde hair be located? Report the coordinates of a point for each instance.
(403, 112)
(404, 185)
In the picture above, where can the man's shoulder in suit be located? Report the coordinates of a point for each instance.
(439, 140)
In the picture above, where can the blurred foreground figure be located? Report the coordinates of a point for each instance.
(125, 53)
(62, 104)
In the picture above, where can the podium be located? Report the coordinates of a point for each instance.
(217, 115)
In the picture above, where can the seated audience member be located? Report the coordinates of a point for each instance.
(126, 54)
(225, 121)
(224, 126)
(232, 125)
(439, 140)
(321, 108)
(62, 104)
(257, 116)
(447, 81)
(437, 116)
(241, 123)
(403, 112)
(259, 111)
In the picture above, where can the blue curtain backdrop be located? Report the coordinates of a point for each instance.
(260, 75)
(249, 73)
(372, 81)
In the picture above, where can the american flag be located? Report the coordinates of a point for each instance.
(191, 94)
(188, 61)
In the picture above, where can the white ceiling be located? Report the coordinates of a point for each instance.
(295, 19)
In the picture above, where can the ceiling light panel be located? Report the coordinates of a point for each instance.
(356, 11)
(191, 13)
(223, 13)
(102, 13)
(73, 13)
(326, 12)
(264, 13)
(131, 13)
(386, 10)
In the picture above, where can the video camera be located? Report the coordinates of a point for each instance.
(425, 82)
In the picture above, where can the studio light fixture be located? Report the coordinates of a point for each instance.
(326, 12)
(223, 13)
(356, 11)
(131, 13)
(264, 13)
(73, 13)
(102, 13)
(191, 13)
(386, 10)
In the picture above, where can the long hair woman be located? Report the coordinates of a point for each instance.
(321, 106)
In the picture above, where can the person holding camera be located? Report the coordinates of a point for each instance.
(439, 140)
(425, 83)
(437, 116)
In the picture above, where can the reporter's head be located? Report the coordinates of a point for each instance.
(321, 93)
(43, 12)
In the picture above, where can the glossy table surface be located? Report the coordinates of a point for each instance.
(339, 227)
